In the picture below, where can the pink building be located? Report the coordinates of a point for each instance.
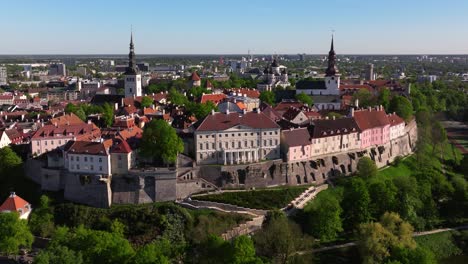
(374, 126)
(296, 144)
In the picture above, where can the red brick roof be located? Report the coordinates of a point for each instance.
(81, 132)
(67, 119)
(14, 203)
(120, 146)
(220, 121)
(283, 106)
(195, 76)
(296, 137)
(356, 87)
(370, 119)
(252, 93)
(86, 147)
(394, 119)
(215, 98)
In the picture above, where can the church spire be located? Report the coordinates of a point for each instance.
(131, 69)
(331, 69)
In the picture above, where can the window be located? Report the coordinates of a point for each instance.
(77, 166)
(201, 146)
(120, 157)
(60, 142)
(71, 158)
(100, 168)
(213, 146)
(51, 142)
(72, 167)
(37, 143)
(46, 142)
(77, 158)
(245, 143)
(91, 159)
(86, 159)
(92, 167)
(100, 159)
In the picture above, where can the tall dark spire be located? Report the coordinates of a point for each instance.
(331, 70)
(131, 69)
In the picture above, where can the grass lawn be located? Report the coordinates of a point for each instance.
(442, 244)
(404, 168)
(268, 199)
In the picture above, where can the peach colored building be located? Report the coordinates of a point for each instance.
(296, 144)
(334, 135)
(374, 126)
(397, 126)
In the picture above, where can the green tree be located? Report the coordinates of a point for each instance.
(366, 168)
(378, 239)
(161, 142)
(200, 110)
(268, 97)
(59, 255)
(157, 252)
(356, 203)
(9, 161)
(305, 99)
(416, 255)
(383, 197)
(279, 239)
(364, 97)
(14, 233)
(176, 97)
(402, 107)
(146, 101)
(384, 98)
(107, 112)
(244, 251)
(41, 220)
(324, 216)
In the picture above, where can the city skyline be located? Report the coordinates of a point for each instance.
(361, 28)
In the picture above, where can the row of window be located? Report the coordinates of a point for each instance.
(238, 144)
(91, 159)
(91, 167)
(240, 134)
(220, 155)
(52, 142)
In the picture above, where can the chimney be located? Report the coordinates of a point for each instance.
(212, 111)
(369, 108)
(352, 112)
(333, 117)
(55, 124)
(227, 111)
(258, 110)
(326, 118)
(89, 121)
(356, 103)
(244, 111)
(164, 111)
(12, 194)
(134, 96)
(152, 106)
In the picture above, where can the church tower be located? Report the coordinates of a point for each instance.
(332, 77)
(132, 76)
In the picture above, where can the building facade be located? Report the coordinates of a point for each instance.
(235, 138)
(86, 157)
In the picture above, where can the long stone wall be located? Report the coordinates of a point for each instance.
(318, 170)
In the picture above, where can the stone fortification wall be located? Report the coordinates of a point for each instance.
(318, 170)
(91, 190)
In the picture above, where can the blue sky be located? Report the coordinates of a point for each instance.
(233, 27)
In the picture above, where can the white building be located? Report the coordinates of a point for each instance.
(235, 138)
(4, 139)
(57, 69)
(87, 157)
(397, 126)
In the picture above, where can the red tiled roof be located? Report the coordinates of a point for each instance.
(195, 76)
(120, 146)
(67, 119)
(394, 119)
(86, 147)
(13, 203)
(220, 121)
(296, 137)
(370, 119)
(283, 106)
(81, 132)
(356, 87)
(215, 98)
(252, 93)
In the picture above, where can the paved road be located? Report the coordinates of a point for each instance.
(352, 244)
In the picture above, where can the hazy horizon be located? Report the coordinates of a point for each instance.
(362, 27)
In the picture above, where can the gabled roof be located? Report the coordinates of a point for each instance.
(252, 93)
(394, 119)
(220, 121)
(13, 203)
(195, 76)
(332, 127)
(296, 137)
(214, 98)
(120, 146)
(86, 147)
(372, 118)
(67, 119)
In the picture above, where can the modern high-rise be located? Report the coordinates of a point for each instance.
(370, 72)
(3, 76)
(132, 75)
